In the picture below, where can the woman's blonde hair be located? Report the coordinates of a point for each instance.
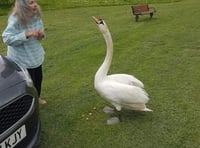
(22, 11)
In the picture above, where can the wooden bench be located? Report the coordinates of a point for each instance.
(141, 10)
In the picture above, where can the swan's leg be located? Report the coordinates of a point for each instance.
(110, 110)
(113, 120)
(116, 119)
(119, 115)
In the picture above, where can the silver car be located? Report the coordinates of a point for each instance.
(19, 112)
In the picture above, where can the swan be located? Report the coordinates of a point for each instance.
(121, 90)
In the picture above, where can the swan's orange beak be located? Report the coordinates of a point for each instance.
(96, 19)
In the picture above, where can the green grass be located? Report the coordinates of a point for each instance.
(63, 4)
(53, 4)
(163, 52)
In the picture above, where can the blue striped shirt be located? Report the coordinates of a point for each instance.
(27, 52)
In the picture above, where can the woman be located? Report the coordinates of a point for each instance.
(22, 35)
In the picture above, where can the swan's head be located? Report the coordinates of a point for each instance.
(102, 25)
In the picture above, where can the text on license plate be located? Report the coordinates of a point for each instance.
(15, 138)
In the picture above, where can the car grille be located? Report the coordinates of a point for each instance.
(15, 111)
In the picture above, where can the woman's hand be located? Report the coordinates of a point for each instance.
(37, 34)
(40, 34)
(31, 33)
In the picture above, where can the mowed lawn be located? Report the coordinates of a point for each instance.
(164, 53)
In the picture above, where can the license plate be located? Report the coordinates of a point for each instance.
(15, 138)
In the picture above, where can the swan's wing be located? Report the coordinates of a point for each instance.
(122, 93)
(126, 79)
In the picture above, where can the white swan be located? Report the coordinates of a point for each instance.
(121, 90)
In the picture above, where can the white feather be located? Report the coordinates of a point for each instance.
(126, 79)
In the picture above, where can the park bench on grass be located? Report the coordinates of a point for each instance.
(142, 9)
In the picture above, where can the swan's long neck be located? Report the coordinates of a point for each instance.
(103, 70)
